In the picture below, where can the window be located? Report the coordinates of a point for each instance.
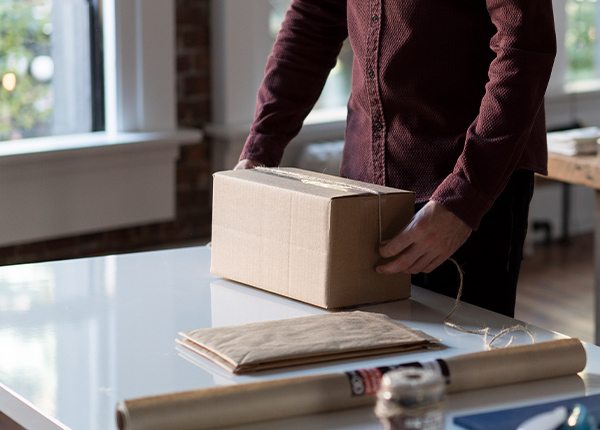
(66, 185)
(573, 95)
(582, 67)
(46, 62)
(338, 86)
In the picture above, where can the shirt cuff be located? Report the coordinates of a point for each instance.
(461, 198)
(266, 149)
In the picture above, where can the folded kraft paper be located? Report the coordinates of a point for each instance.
(317, 338)
(275, 399)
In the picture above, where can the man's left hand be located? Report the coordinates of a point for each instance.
(431, 237)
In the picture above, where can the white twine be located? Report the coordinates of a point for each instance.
(486, 330)
(313, 180)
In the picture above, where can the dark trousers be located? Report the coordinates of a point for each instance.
(491, 257)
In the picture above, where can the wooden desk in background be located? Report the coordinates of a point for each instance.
(583, 170)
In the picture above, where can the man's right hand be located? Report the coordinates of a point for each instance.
(248, 164)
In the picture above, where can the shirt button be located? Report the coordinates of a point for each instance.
(375, 18)
(378, 126)
(371, 74)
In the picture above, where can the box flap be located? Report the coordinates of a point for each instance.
(313, 183)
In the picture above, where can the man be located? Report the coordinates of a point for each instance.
(447, 101)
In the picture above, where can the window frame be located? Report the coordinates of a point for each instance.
(134, 53)
(566, 107)
(51, 185)
(139, 65)
(97, 65)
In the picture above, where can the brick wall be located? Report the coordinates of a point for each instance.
(192, 224)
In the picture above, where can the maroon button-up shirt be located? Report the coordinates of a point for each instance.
(447, 95)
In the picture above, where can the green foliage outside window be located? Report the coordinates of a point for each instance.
(580, 39)
(25, 101)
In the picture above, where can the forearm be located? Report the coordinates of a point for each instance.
(525, 47)
(305, 51)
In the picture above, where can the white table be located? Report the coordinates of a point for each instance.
(78, 336)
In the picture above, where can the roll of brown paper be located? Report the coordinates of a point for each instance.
(515, 364)
(268, 400)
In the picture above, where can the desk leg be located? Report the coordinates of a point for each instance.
(596, 251)
(566, 209)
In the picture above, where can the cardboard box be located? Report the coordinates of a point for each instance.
(307, 236)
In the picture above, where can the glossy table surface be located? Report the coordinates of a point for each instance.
(78, 336)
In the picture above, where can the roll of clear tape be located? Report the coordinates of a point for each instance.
(412, 398)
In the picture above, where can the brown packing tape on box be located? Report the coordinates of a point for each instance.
(282, 343)
(268, 400)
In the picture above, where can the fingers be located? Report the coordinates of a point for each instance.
(418, 257)
(431, 237)
(411, 255)
(398, 244)
(247, 164)
(412, 262)
(401, 263)
(410, 249)
(395, 247)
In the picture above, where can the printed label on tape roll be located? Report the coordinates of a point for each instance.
(365, 382)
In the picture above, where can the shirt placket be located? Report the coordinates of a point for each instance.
(378, 127)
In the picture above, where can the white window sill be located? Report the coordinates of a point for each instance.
(320, 126)
(323, 116)
(70, 185)
(581, 106)
(584, 86)
(91, 143)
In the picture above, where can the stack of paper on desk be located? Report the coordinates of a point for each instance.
(575, 141)
(316, 338)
